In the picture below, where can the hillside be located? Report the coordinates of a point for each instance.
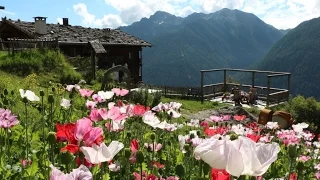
(182, 47)
(298, 53)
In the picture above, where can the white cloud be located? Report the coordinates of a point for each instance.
(81, 10)
(59, 20)
(279, 13)
(7, 13)
(110, 20)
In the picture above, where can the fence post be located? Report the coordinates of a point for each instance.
(201, 87)
(253, 77)
(288, 86)
(268, 91)
(225, 80)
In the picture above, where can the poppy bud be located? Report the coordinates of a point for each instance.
(180, 170)
(152, 136)
(5, 92)
(51, 138)
(5, 101)
(233, 137)
(292, 150)
(127, 153)
(41, 93)
(12, 92)
(53, 89)
(300, 166)
(24, 100)
(50, 99)
(198, 133)
(206, 168)
(129, 134)
(66, 157)
(139, 157)
(192, 136)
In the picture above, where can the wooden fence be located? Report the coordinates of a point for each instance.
(170, 91)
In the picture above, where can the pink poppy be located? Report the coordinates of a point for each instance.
(85, 92)
(120, 92)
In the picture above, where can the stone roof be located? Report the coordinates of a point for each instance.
(97, 47)
(78, 34)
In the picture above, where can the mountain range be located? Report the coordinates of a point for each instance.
(184, 46)
(298, 52)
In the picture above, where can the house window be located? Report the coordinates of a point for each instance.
(130, 55)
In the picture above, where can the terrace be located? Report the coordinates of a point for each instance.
(268, 94)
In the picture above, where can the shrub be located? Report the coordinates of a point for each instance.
(305, 110)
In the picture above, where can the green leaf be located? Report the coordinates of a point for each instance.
(32, 170)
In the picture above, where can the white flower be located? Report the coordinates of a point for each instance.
(238, 157)
(97, 154)
(105, 94)
(174, 113)
(194, 123)
(272, 125)
(65, 103)
(31, 96)
(115, 167)
(299, 127)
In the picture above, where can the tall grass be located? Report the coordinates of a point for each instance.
(44, 62)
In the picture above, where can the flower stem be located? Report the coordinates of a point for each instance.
(26, 129)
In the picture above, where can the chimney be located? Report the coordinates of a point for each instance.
(40, 25)
(107, 32)
(65, 21)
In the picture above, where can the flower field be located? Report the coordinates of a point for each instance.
(75, 133)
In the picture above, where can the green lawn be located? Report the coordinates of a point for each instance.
(192, 106)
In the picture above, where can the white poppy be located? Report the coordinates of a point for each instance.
(105, 94)
(65, 103)
(31, 96)
(97, 154)
(238, 157)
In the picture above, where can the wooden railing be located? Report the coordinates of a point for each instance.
(268, 93)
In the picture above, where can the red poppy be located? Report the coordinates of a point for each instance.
(254, 137)
(220, 174)
(72, 148)
(293, 176)
(213, 131)
(134, 145)
(79, 161)
(239, 117)
(139, 110)
(65, 132)
(157, 165)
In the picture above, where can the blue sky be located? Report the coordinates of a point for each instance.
(281, 14)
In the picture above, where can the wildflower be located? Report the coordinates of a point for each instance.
(239, 117)
(26, 163)
(85, 92)
(105, 95)
(65, 103)
(120, 92)
(70, 87)
(303, 158)
(238, 157)
(272, 125)
(299, 127)
(7, 119)
(102, 153)
(91, 104)
(80, 173)
(139, 110)
(31, 96)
